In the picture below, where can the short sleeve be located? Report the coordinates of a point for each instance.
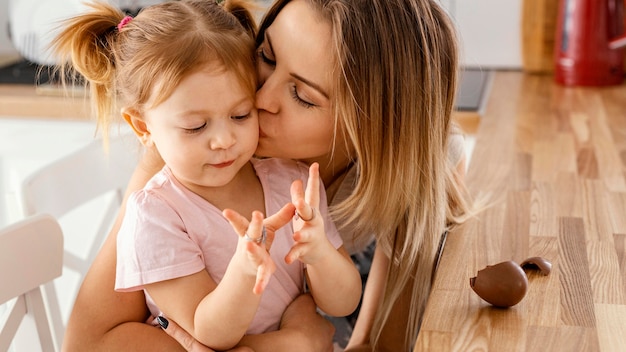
(153, 244)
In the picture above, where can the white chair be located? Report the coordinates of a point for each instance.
(31, 254)
(80, 190)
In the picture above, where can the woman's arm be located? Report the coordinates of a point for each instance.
(103, 319)
(372, 295)
(301, 329)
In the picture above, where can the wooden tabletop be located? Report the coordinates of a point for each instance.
(553, 160)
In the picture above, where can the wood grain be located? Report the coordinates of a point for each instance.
(551, 161)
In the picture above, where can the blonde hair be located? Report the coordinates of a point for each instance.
(393, 98)
(154, 51)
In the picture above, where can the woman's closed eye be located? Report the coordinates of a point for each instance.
(299, 100)
(266, 58)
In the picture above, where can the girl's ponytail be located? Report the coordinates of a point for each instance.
(242, 10)
(84, 47)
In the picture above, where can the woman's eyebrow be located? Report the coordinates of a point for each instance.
(310, 84)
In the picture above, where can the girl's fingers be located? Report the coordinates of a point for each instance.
(306, 201)
(312, 194)
(255, 228)
(236, 220)
(263, 276)
(280, 219)
(265, 268)
(252, 229)
(294, 254)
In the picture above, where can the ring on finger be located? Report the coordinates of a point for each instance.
(298, 216)
(256, 240)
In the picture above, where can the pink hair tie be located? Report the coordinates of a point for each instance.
(124, 22)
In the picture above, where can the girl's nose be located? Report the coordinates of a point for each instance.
(223, 138)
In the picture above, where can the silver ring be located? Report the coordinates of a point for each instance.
(256, 240)
(298, 216)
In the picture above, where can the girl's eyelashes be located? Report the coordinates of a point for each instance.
(296, 97)
(240, 117)
(194, 130)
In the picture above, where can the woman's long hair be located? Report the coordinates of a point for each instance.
(393, 96)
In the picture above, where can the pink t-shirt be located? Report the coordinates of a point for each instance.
(169, 232)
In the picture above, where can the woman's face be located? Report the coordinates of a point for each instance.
(295, 66)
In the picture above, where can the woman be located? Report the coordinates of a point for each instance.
(366, 89)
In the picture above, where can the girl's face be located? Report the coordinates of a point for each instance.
(205, 132)
(295, 67)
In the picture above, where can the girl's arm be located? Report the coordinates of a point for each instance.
(200, 306)
(302, 329)
(103, 319)
(334, 281)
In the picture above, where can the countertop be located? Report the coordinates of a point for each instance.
(552, 162)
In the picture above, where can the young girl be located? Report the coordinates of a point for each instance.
(183, 75)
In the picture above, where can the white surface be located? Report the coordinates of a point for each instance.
(489, 29)
(27, 144)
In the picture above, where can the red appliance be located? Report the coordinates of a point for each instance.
(588, 43)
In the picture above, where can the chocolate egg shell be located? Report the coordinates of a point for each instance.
(544, 265)
(502, 285)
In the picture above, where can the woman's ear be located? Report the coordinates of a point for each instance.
(137, 122)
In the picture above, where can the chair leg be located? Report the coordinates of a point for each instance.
(34, 300)
(53, 310)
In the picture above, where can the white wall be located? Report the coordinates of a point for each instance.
(489, 30)
(6, 48)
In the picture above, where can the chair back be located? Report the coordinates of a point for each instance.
(31, 254)
(92, 179)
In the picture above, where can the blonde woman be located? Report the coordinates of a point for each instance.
(366, 89)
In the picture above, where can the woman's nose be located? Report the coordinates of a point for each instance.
(267, 94)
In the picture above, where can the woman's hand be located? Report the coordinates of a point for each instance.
(311, 241)
(187, 341)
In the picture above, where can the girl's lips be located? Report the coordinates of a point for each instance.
(223, 165)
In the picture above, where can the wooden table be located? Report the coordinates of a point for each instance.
(553, 160)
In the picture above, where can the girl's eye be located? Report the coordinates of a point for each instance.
(296, 97)
(195, 130)
(268, 59)
(240, 117)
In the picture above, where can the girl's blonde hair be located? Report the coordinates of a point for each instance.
(393, 96)
(125, 62)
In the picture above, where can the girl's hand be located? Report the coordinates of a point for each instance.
(311, 241)
(256, 238)
(255, 241)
